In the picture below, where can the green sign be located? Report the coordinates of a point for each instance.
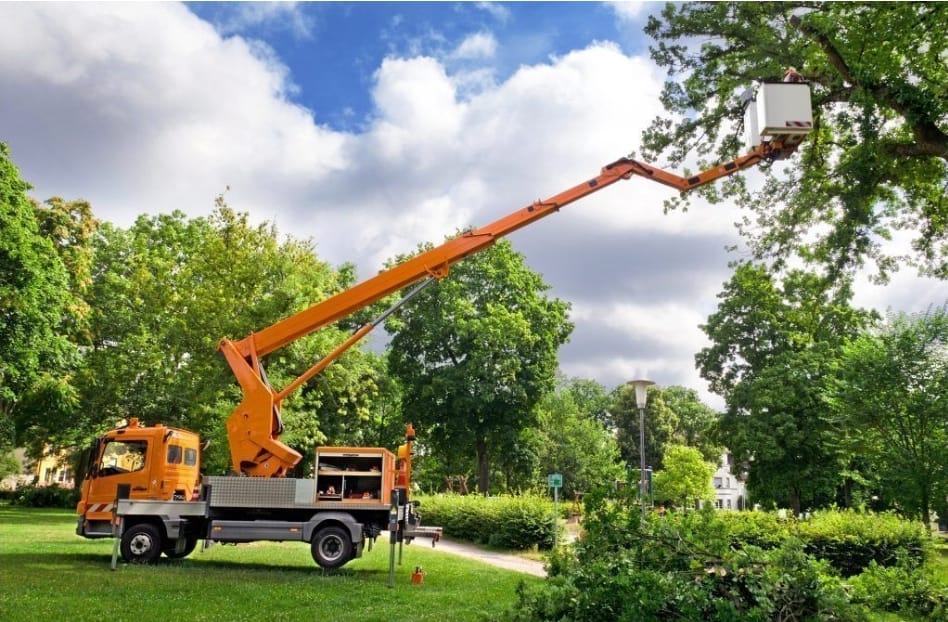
(554, 480)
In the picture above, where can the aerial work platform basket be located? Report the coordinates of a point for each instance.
(778, 111)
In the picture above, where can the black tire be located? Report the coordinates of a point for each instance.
(141, 544)
(331, 547)
(189, 545)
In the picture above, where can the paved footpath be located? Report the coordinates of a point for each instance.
(501, 560)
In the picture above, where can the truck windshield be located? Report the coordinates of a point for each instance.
(123, 457)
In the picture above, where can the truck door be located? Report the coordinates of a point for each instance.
(121, 461)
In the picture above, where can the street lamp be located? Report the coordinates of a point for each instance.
(641, 396)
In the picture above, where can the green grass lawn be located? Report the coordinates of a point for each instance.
(48, 574)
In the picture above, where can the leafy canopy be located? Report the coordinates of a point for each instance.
(892, 386)
(877, 160)
(772, 343)
(35, 302)
(475, 354)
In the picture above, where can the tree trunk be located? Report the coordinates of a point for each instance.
(795, 502)
(483, 466)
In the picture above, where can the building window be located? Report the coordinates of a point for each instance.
(729, 504)
(717, 482)
(717, 504)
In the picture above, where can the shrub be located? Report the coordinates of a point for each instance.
(851, 540)
(765, 530)
(680, 567)
(505, 522)
(53, 496)
(847, 539)
(905, 587)
(708, 565)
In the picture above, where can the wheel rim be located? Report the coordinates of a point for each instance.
(140, 545)
(331, 547)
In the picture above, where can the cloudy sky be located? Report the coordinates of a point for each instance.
(371, 127)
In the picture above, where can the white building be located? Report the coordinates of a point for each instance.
(729, 489)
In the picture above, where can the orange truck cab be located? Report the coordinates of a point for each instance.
(150, 463)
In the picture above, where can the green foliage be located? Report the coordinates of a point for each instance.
(878, 156)
(708, 565)
(905, 587)
(685, 479)
(9, 465)
(660, 425)
(162, 295)
(53, 496)
(521, 522)
(764, 530)
(572, 442)
(475, 354)
(851, 540)
(773, 342)
(674, 416)
(891, 384)
(34, 301)
(681, 566)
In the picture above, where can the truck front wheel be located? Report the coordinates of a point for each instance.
(331, 547)
(141, 544)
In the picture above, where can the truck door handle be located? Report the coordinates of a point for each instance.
(137, 488)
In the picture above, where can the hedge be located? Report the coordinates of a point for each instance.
(724, 566)
(849, 540)
(53, 496)
(506, 522)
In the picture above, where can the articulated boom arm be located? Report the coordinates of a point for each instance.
(254, 427)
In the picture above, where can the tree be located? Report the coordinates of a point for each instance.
(696, 421)
(674, 415)
(772, 344)
(162, 295)
(686, 478)
(892, 385)
(34, 300)
(475, 354)
(572, 441)
(660, 425)
(878, 156)
(46, 413)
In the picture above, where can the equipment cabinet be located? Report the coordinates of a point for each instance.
(362, 476)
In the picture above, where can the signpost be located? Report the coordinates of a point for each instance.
(555, 481)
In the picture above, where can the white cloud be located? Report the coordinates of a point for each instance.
(239, 17)
(476, 46)
(496, 10)
(627, 10)
(145, 108)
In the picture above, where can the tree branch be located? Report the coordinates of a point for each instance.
(930, 140)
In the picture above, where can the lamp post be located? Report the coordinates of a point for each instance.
(641, 396)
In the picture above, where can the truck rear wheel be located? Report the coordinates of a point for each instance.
(331, 547)
(190, 542)
(141, 544)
